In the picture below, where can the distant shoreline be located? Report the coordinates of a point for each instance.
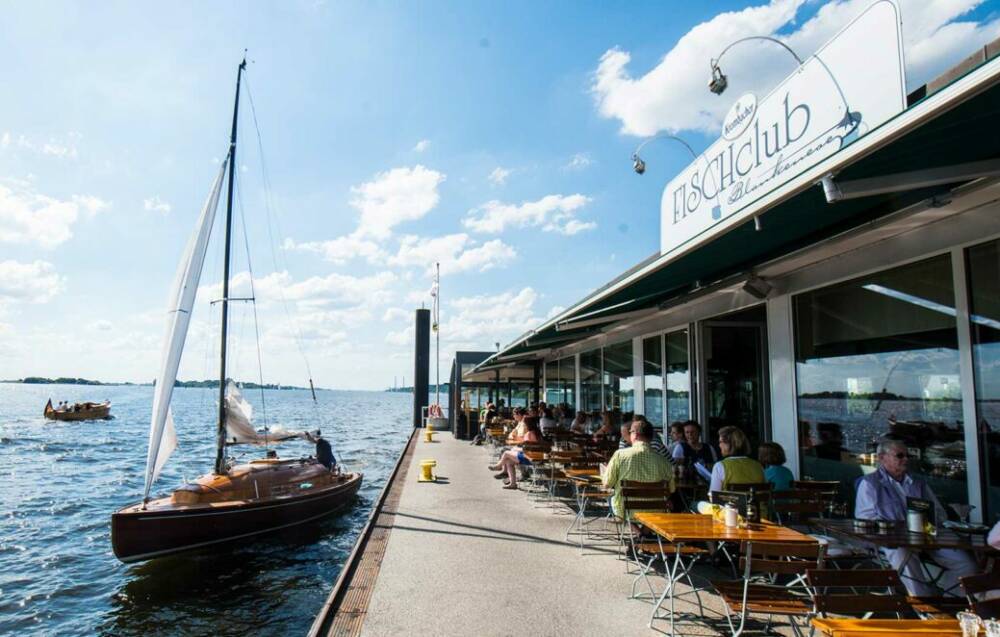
(40, 380)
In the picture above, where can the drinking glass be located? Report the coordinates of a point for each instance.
(970, 623)
(992, 628)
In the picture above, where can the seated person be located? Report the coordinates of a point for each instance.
(735, 465)
(637, 462)
(607, 430)
(579, 425)
(676, 436)
(547, 421)
(518, 431)
(692, 451)
(626, 436)
(324, 453)
(510, 459)
(882, 496)
(772, 458)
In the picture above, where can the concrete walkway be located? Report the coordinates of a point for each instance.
(466, 557)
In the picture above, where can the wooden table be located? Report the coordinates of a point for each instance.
(899, 538)
(887, 627)
(680, 529)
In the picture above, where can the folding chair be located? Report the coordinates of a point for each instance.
(975, 586)
(651, 496)
(762, 564)
(858, 593)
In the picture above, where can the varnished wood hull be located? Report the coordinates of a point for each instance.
(138, 535)
(99, 411)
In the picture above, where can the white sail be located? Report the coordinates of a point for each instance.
(239, 415)
(239, 423)
(162, 438)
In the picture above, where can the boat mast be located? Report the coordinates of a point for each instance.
(220, 454)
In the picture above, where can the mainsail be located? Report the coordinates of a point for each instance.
(162, 438)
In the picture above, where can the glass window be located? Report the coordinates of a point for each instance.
(567, 371)
(590, 381)
(878, 356)
(984, 309)
(553, 383)
(619, 380)
(652, 371)
(678, 377)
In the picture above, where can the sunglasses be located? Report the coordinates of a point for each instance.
(900, 456)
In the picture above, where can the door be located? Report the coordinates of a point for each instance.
(732, 365)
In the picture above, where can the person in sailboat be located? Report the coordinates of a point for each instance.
(324, 453)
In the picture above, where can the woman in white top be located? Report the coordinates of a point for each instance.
(547, 422)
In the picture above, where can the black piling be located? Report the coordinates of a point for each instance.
(421, 365)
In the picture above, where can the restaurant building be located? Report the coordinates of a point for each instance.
(829, 273)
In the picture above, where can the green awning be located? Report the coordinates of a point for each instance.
(965, 133)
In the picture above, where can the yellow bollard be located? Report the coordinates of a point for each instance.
(429, 434)
(426, 473)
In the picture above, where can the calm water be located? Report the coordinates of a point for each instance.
(59, 483)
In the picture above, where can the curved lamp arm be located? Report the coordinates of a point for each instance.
(640, 166)
(719, 82)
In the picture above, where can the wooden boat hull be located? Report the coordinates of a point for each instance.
(96, 411)
(138, 534)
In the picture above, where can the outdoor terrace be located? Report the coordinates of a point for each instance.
(464, 557)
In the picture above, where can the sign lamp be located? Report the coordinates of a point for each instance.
(639, 166)
(719, 82)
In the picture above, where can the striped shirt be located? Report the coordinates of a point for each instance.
(655, 444)
(639, 462)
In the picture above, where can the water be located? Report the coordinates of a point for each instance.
(60, 482)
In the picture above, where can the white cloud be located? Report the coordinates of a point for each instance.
(499, 176)
(27, 216)
(488, 319)
(395, 314)
(673, 96)
(102, 325)
(35, 282)
(65, 148)
(422, 145)
(579, 161)
(332, 288)
(402, 337)
(554, 213)
(342, 249)
(155, 204)
(401, 194)
(455, 252)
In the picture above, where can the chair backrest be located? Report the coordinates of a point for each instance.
(761, 489)
(585, 463)
(782, 558)
(797, 504)
(645, 496)
(858, 592)
(536, 446)
(975, 585)
(826, 486)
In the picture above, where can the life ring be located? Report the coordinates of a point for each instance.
(434, 411)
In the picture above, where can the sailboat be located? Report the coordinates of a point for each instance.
(235, 501)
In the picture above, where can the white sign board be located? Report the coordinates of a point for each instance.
(848, 87)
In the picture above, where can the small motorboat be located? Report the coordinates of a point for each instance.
(78, 411)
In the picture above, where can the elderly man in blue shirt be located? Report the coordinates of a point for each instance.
(882, 496)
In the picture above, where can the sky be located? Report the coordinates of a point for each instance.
(494, 138)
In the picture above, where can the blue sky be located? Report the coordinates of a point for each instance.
(492, 136)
